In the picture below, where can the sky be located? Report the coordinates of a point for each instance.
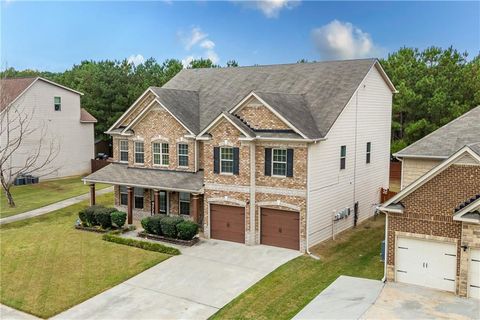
(53, 36)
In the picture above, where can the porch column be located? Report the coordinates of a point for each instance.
(130, 205)
(156, 201)
(194, 199)
(92, 194)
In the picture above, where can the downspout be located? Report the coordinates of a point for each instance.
(307, 214)
(355, 158)
(253, 210)
(385, 259)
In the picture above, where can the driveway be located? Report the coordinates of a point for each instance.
(193, 285)
(356, 298)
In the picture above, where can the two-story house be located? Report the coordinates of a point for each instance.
(282, 155)
(50, 124)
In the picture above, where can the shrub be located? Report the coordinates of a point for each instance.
(82, 215)
(187, 230)
(153, 225)
(169, 226)
(90, 215)
(103, 217)
(151, 246)
(146, 224)
(119, 218)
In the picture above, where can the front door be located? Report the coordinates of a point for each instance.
(163, 205)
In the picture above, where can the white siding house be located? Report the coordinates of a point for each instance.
(67, 128)
(366, 118)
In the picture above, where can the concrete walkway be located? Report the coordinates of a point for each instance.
(193, 285)
(7, 313)
(52, 207)
(345, 298)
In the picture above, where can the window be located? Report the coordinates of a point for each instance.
(139, 152)
(184, 198)
(163, 200)
(343, 157)
(369, 151)
(183, 155)
(123, 150)
(123, 196)
(279, 162)
(160, 154)
(138, 198)
(226, 160)
(57, 102)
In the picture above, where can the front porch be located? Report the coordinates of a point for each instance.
(142, 192)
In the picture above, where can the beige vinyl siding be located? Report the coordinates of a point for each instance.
(368, 114)
(414, 168)
(75, 140)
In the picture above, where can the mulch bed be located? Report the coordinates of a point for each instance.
(187, 243)
(100, 230)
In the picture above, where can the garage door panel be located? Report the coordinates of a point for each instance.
(280, 228)
(227, 223)
(474, 274)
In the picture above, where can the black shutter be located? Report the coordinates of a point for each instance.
(268, 161)
(289, 162)
(236, 156)
(216, 160)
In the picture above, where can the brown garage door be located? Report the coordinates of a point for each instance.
(227, 223)
(280, 228)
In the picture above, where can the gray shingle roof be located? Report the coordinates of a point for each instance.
(121, 174)
(316, 92)
(448, 139)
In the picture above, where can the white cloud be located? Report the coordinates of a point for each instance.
(342, 40)
(186, 61)
(136, 59)
(207, 44)
(270, 8)
(195, 36)
(212, 55)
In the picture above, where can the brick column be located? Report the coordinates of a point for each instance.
(194, 206)
(156, 201)
(92, 194)
(130, 205)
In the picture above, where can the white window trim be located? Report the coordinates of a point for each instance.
(54, 103)
(368, 154)
(120, 151)
(180, 202)
(178, 154)
(343, 157)
(286, 162)
(232, 160)
(161, 164)
(135, 153)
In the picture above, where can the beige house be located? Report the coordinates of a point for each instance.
(433, 227)
(282, 155)
(426, 153)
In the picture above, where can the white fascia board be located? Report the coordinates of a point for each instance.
(396, 155)
(59, 85)
(178, 120)
(139, 116)
(385, 76)
(475, 205)
(215, 121)
(430, 174)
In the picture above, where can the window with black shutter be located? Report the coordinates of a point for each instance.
(236, 161)
(268, 161)
(216, 160)
(289, 162)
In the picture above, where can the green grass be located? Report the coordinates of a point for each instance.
(48, 266)
(34, 196)
(285, 291)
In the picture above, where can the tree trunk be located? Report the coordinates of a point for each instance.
(6, 189)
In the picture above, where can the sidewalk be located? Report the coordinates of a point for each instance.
(8, 313)
(52, 207)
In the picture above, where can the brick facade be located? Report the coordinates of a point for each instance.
(428, 214)
(257, 116)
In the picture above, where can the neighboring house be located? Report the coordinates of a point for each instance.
(426, 153)
(56, 118)
(433, 227)
(267, 154)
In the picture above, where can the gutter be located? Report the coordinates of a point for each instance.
(307, 238)
(201, 191)
(384, 279)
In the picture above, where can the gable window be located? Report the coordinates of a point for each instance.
(343, 157)
(183, 155)
(184, 198)
(369, 151)
(226, 160)
(160, 154)
(123, 196)
(123, 147)
(139, 152)
(279, 162)
(138, 195)
(57, 103)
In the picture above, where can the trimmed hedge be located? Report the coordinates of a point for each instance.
(98, 215)
(169, 226)
(186, 230)
(103, 217)
(119, 218)
(151, 246)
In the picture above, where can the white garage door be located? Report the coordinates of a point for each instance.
(426, 263)
(474, 274)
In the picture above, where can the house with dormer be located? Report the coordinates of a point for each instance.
(281, 155)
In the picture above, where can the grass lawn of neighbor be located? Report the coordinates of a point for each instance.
(33, 196)
(48, 266)
(285, 291)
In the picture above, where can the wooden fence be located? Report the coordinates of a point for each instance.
(395, 170)
(98, 164)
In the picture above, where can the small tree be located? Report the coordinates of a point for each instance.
(16, 129)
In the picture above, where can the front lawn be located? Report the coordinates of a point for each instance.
(33, 196)
(47, 266)
(285, 291)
